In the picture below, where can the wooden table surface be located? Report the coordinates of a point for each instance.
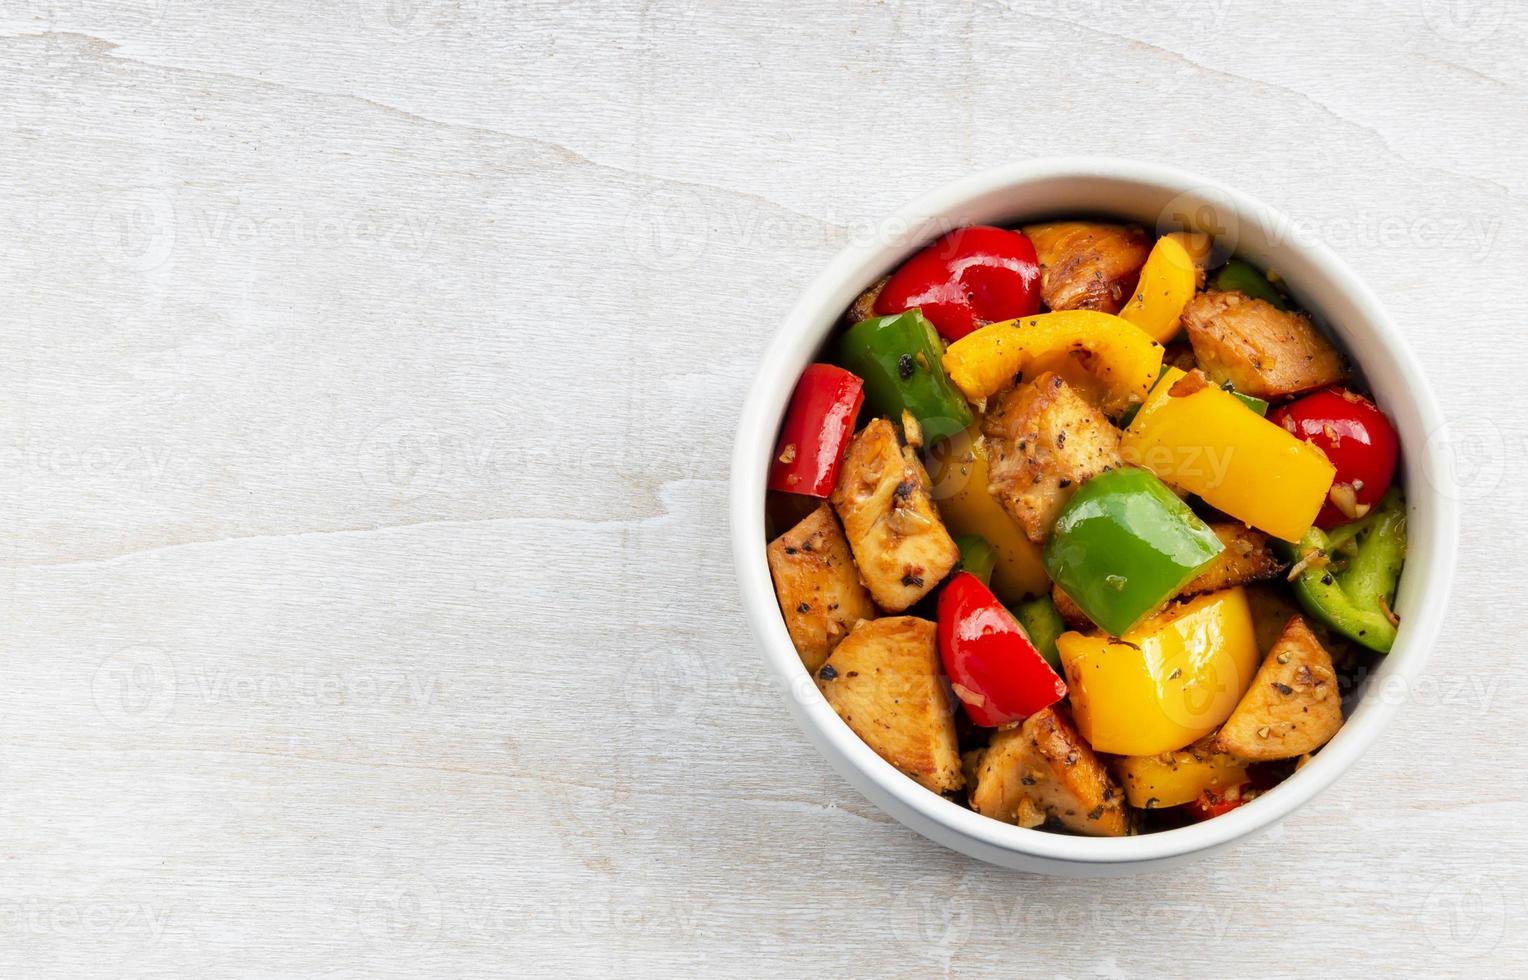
(368, 376)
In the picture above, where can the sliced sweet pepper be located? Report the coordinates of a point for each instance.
(1199, 246)
(1238, 276)
(1167, 284)
(996, 672)
(1349, 575)
(1042, 624)
(1171, 376)
(1217, 803)
(1200, 438)
(1167, 683)
(899, 358)
(1124, 544)
(817, 427)
(957, 471)
(976, 556)
(1122, 359)
(1256, 404)
(969, 278)
(1175, 778)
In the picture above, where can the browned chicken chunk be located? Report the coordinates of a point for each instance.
(1293, 705)
(1258, 348)
(1045, 769)
(1271, 607)
(899, 543)
(1044, 440)
(863, 307)
(1087, 265)
(884, 682)
(1247, 558)
(1071, 613)
(818, 586)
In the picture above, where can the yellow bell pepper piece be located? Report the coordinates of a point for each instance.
(1122, 360)
(1158, 397)
(1174, 778)
(1168, 682)
(1200, 248)
(1206, 442)
(1165, 287)
(957, 469)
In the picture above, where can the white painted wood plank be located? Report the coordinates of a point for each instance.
(366, 391)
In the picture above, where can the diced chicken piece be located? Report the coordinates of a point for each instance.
(1271, 607)
(1044, 440)
(863, 307)
(1071, 613)
(970, 763)
(818, 586)
(884, 682)
(1180, 354)
(1260, 349)
(1293, 705)
(899, 543)
(1045, 769)
(1247, 558)
(1087, 265)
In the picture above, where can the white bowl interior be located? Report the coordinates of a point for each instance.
(1168, 200)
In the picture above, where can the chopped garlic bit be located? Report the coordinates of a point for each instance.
(1345, 500)
(968, 696)
(908, 522)
(1316, 559)
(912, 430)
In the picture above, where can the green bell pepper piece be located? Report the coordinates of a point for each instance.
(1043, 623)
(977, 556)
(1348, 595)
(899, 358)
(1124, 544)
(1258, 405)
(1245, 278)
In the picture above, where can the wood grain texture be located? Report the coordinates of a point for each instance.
(367, 380)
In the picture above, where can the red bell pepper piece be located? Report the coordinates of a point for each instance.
(1356, 437)
(997, 673)
(967, 279)
(1210, 804)
(817, 427)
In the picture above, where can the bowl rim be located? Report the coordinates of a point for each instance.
(802, 332)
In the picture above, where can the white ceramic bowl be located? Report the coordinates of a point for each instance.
(1167, 199)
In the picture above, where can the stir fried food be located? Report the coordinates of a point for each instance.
(1083, 532)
